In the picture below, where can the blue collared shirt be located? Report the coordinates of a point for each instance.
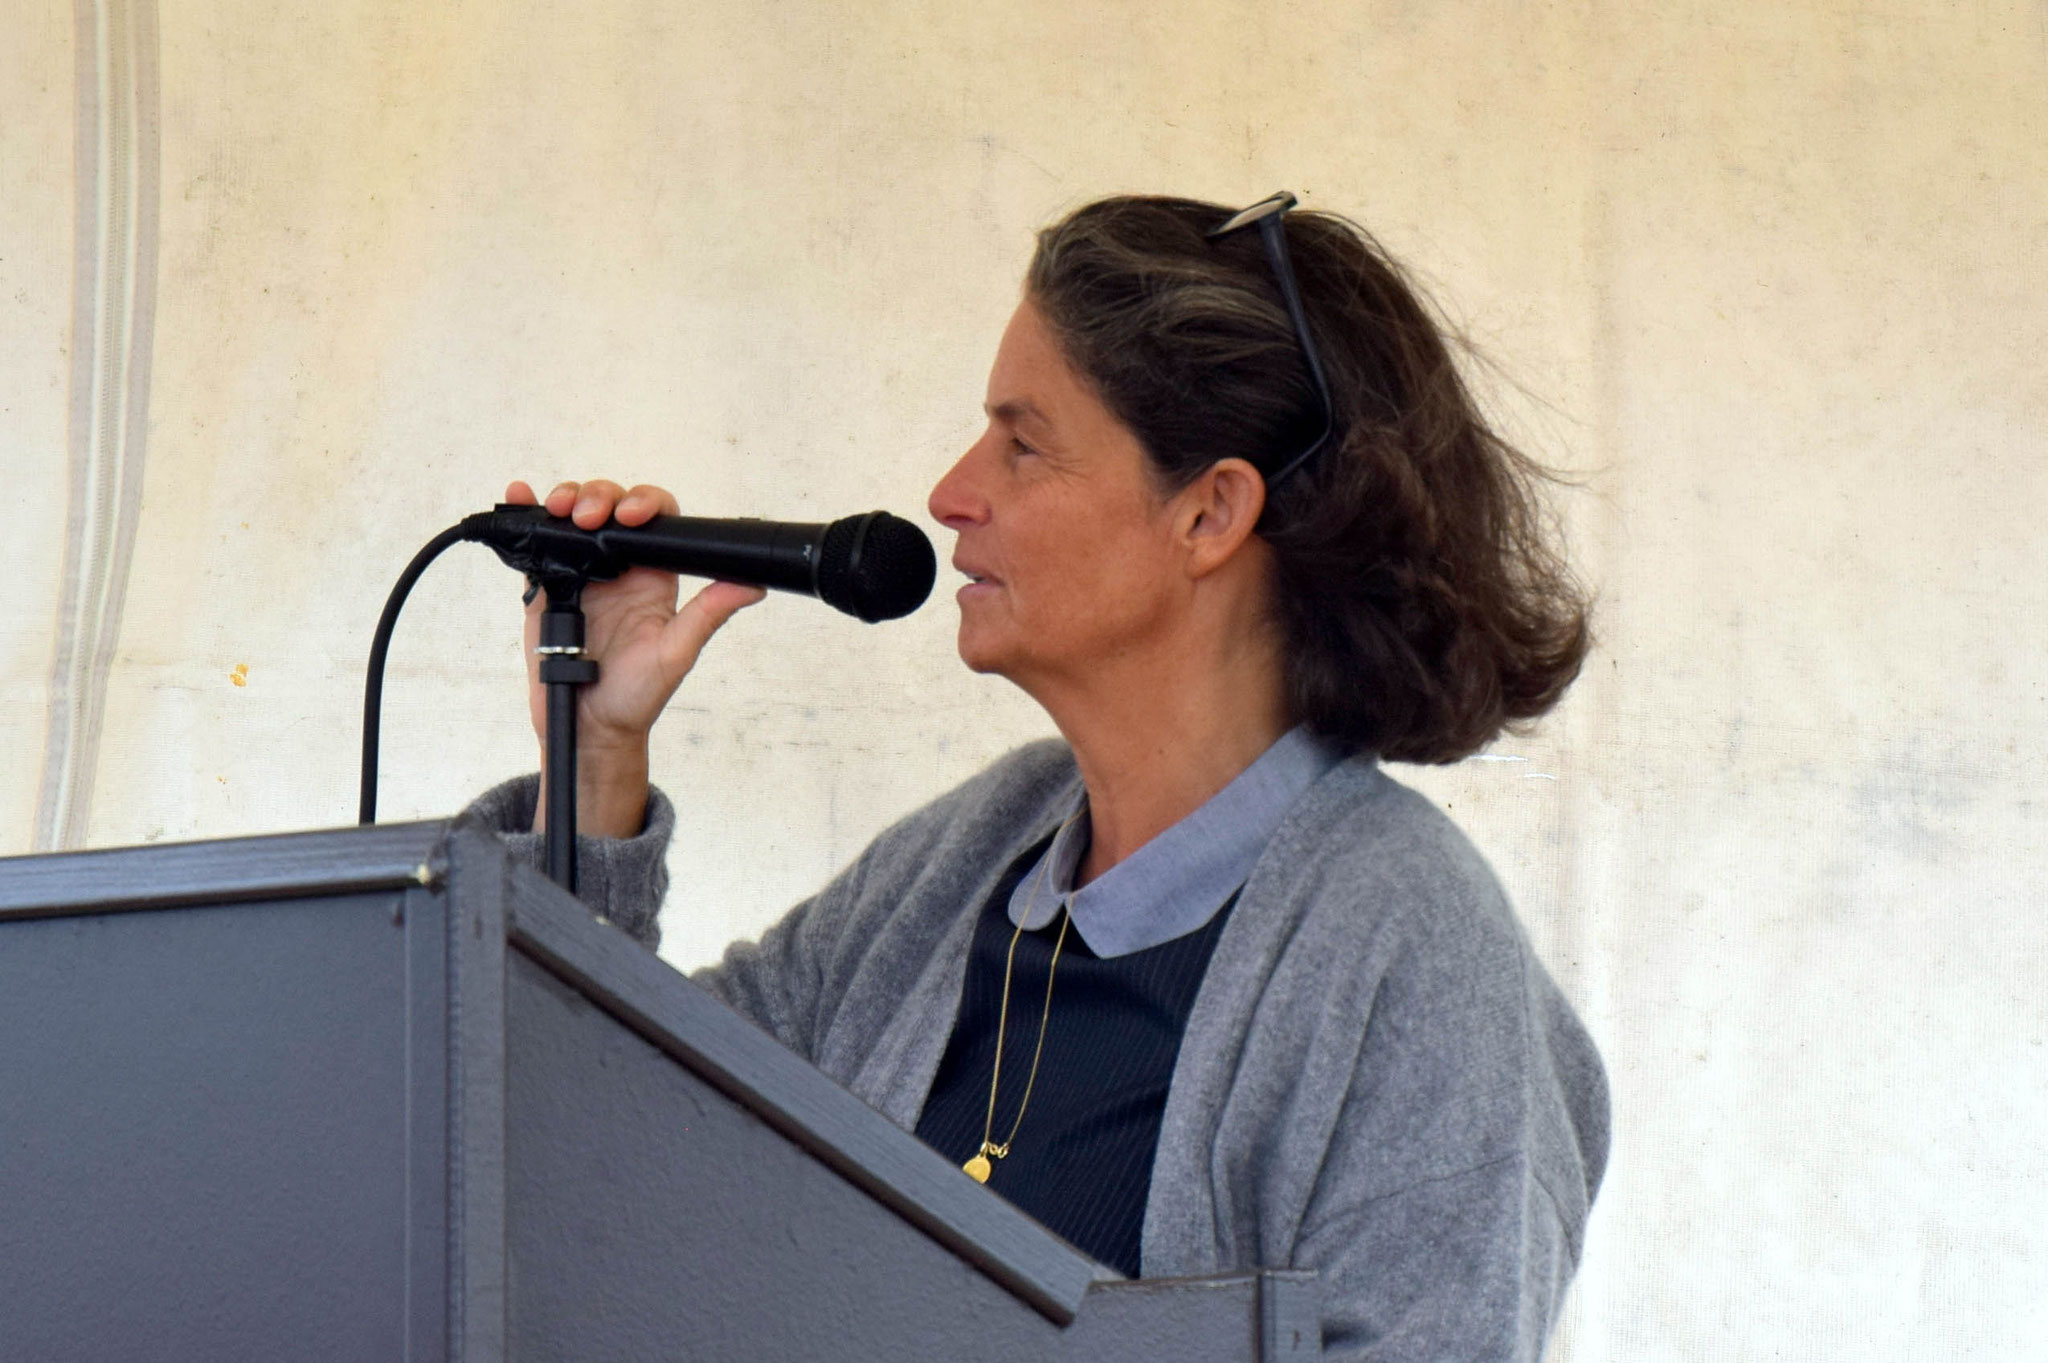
(1176, 882)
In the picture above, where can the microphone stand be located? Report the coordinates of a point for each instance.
(564, 670)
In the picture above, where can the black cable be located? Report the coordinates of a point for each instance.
(373, 677)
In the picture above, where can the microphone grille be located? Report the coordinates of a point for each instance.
(876, 567)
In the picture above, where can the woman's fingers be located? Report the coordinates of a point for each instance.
(595, 502)
(701, 616)
(644, 503)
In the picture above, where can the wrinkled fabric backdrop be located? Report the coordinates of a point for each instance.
(284, 290)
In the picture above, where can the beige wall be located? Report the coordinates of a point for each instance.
(36, 135)
(1769, 278)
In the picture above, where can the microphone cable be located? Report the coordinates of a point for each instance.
(373, 675)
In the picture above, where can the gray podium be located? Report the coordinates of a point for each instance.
(381, 1094)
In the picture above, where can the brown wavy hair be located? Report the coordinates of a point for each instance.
(1423, 605)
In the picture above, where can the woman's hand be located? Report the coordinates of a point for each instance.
(643, 646)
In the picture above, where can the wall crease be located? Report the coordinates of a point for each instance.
(112, 334)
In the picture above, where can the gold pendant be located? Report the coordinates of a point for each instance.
(978, 1168)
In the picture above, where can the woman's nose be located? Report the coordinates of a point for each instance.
(954, 501)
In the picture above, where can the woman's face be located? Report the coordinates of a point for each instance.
(1065, 540)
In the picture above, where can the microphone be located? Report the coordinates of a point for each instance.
(874, 567)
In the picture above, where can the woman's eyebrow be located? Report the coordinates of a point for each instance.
(1014, 410)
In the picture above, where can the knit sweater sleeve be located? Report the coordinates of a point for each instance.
(1453, 1198)
(852, 935)
(777, 982)
(1473, 1265)
(854, 949)
(782, 981)
(621, 880)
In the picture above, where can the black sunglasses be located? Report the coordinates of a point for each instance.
(1267, 214)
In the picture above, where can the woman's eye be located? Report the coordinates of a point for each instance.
(1019, 447)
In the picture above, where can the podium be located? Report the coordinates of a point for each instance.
(384, 1094)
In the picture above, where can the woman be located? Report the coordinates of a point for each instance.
(1199, 986)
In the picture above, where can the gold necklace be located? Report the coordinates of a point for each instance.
(979, 1166)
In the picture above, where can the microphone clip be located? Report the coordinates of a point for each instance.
(547, 549)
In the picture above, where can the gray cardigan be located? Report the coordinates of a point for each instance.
(1378, 1080)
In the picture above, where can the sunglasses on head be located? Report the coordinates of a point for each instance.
(1266, 215)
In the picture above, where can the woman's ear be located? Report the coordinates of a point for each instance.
(1219, 512)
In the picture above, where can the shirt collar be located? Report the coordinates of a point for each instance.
(1176, 882)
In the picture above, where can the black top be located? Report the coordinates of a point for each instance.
(1081, 1163)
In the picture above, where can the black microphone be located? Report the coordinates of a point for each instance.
(874, 567)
